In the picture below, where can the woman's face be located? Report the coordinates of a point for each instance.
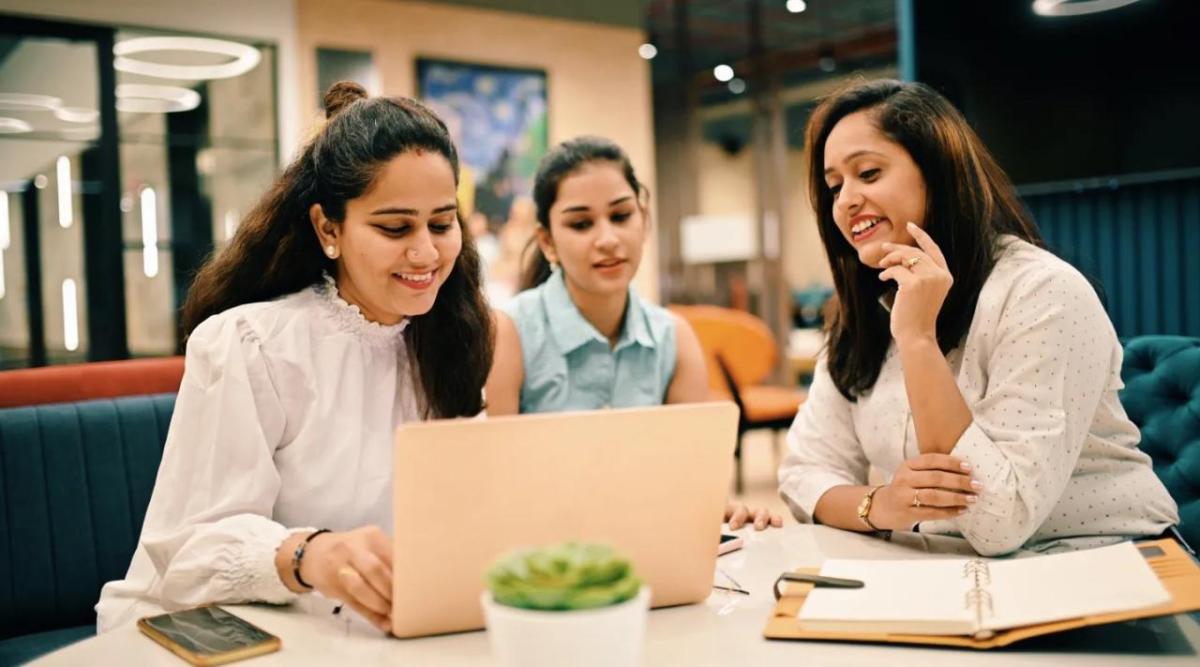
(597, 229)
(399, 240)
(877, 188)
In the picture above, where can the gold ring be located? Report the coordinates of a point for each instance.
(917, 499)
(346, 571)
(911, 262)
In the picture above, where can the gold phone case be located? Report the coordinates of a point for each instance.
(268, 644)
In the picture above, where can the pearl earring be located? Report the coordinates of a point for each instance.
(331, 251)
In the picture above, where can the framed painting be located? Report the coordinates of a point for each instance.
(498, 118)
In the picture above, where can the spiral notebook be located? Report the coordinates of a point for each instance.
(966, 624)
(977, 597)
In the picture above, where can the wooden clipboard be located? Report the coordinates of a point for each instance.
(1174, 567)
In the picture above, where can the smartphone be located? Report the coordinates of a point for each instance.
(208, 635)
(729, 543)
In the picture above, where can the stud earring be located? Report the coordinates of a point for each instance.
(331, 251)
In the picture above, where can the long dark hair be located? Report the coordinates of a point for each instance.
(969, 203)
(562, 161)
(276, 252)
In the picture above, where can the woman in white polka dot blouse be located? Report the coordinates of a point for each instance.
(973, 369)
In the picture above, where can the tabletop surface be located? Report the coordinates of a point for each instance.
(726, 629)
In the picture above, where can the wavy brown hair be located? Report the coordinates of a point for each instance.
(969, 203)
(276, 251)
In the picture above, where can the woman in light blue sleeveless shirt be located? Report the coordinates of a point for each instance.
(569, 365)
(579, 337)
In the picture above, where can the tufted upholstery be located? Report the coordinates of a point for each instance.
(75, 480)
(1162, 396)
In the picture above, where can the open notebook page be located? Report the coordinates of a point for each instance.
(930, 597)
(929, 594)
(1070, 585)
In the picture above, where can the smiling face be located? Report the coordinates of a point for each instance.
(399, 240)
(597, 230)
(877, 188)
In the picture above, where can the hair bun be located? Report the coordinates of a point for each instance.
(341, 95)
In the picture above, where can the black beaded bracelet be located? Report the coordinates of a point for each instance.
(298, 554)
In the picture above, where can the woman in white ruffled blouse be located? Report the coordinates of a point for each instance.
(972, 368)
(348, 303)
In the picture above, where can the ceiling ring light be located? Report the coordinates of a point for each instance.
(245, 57)
(28, 102)
(1076, 7)
(146, 98)
(76, 114)
(14, 126)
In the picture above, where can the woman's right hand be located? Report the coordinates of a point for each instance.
(354, 566)
(925, 488)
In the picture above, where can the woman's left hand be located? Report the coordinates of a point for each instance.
(738, 515)
(922, 280)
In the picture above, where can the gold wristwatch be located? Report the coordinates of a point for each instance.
(864, 512)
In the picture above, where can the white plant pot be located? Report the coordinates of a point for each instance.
(608, 636)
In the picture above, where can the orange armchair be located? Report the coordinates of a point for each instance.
(741, 352)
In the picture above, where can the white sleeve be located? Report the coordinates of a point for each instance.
(823, 449)
(208, 534)
(1054, 358)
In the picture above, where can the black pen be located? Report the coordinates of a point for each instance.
(823, 582)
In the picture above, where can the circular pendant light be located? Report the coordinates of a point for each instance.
(28, 102)
(1076, 7)
(14, 126)
(245, 57)
(146, 98)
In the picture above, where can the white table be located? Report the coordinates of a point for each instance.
(724, 630)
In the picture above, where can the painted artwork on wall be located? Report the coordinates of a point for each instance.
(498, 118)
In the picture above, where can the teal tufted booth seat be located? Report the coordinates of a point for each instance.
(75, 480)
(1162, 396)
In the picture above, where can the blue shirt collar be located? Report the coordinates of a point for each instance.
(571, 330)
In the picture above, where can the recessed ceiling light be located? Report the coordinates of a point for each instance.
(145, 98)
(245, 57)
(796, 6)
(737, 86)
(1076, 7)
(723, 73)
(647, 51)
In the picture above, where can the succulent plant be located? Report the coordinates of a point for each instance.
(564, 577)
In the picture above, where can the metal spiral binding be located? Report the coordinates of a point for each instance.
(978, 597)
(979, 571)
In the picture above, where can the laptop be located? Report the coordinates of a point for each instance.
(650, 482)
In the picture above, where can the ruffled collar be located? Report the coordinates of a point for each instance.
(349, 317)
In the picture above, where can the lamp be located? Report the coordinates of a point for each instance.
(1076, 7)
(245, 57)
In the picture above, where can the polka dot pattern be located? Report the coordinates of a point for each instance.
(1050, 442)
